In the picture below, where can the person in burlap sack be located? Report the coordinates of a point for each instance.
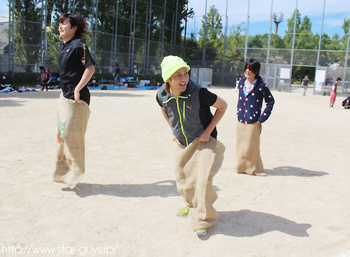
(76, 67)
(252, 92)
(199, 155)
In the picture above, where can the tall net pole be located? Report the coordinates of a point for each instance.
(247, 33)
(205, 34)
(43, 46)
(12, 38)
(269, 42)
(320, 40)
(225, 44)
(346, 62)
(293, 43)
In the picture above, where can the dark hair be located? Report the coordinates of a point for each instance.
(167, 87)
(338, 79)
(253, 65)
(75, 19)
(41, 67)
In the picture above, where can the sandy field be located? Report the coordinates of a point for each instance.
(127, 200)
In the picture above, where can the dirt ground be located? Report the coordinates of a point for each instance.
(127, 200)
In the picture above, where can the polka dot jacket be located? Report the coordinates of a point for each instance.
(249, 107)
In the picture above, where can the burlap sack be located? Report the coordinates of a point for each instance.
(196, 166)
(72, 120)
(248, 157)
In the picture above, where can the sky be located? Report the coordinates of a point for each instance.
(260, 11)
(4, 7)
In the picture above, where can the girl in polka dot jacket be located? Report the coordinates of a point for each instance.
(250, 101)
(252, 92)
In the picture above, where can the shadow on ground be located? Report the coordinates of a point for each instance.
(162, 188)
(294, 171)
(247, 223)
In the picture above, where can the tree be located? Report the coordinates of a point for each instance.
(27, 32)
(346, 28)
(193, 50)
(258, 41)
(288, 38)
(306, 40)
(277, 42)
(333, 45)
(53, 46)
(172, 20)
(213, 26)
(277, 21)
(346, 25)
(55, 10)
(235, 44)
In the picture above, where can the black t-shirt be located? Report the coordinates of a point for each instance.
(207, 99)
(305, 82)
(74, 58)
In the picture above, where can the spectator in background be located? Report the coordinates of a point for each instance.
(334, 92)
(305, 84)
(3, 82)
(238, 79)
(346, 103)
(117, 74)
(45, 77)
(93, 82)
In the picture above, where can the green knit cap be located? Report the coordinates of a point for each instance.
(170, 65)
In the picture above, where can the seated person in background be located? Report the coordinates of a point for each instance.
(346, 103)
(3, 82)
(93, 82)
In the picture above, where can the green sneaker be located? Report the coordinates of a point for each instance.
(201, 232)
(183, 213)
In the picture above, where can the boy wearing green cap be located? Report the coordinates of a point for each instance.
(186, 108)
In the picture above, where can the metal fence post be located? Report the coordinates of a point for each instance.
(247, 33)
(292, 53)
(224, 50)
(320, 40)
(43, 45)
(269, 42)
(12, 39)
(205, 35)
(346, 62)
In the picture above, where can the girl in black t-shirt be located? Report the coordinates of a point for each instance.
(76, 68)
(75, 62)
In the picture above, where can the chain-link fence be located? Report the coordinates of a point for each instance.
(140, 54)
